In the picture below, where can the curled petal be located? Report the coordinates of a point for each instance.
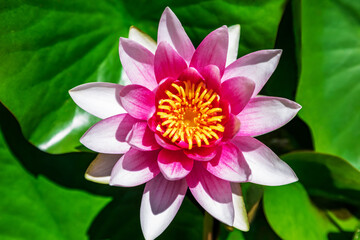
(265, 114)
(160, 202)
(212, 50)
(142, 137)
(108, 135)
(266, 168)
(168, 63)
(171, 31)
(142, 38)
(240, 215)
(100, 169)
(257, 66)
(234, 37)
(237, 91)
(229, 164)
(138, 101)
(165, 144)
(135, 168)
(212, 193)
(104, 105)
(138, 63)
(174, 165)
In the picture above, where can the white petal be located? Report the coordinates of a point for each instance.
(142, 38)
(99, 99)
(160, 203)
(100, 169)
(240, 216)
(234, 37)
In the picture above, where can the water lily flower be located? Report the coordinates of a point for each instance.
(187, 120)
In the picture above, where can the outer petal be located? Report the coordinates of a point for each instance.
(171, 31)
(234, 37)
(266, 168)
(98, 99)
(174, 165)
(160, 202)
(138, 63)
(108, 135)
(240, 219)
(142, 137)
(168, 63)
(100, 169)
(212, 50)
(135, 168)
(257, 66)
(140, 37)
(229, 164)
(237, 91)
(212, 193)
(265, 114)
(138, 101)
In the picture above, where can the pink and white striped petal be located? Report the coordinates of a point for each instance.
(237, 91)
(265, 114)
(266, 167)
(229, 164)
(174, 165)
(257, 66)
(170, 30)
(142, 138)
(138, 101)
(212, 193)
(104, 105)
(108, 135)
(142, 38)
(212, 50)
(234, 38)
(135, 168)
(168, 63)
(240, 215)
(100, 169)
(138, 63)
(160, 202)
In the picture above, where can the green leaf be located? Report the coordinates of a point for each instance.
(36, 208)
(326, 176)
(49, 47)
(329, 88)
(291, 214)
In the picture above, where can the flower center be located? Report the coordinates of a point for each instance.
(190, 113)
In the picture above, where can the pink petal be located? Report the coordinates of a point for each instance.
(142, 38)
(240, 215)
(257, 66)
(135, 168)
(108, 135)
(212, 193)
(211, 73)
(160, 203)
(265, 114)
(191, 74)
(232, 127)
(229, 164)
(100, 169)
(138, 101)
(165, 144)
(234, 37)
(266, 168)
(174, 165)
(237, 91)
(138, 63)
(171, 31)
(201, 154)
(142, 137)
(212, 50)
(98, 99)
(168, 63)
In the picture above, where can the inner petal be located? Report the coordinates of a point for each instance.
(190, 113)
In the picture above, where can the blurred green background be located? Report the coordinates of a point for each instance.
(50, 46)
